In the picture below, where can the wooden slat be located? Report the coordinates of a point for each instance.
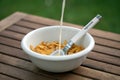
(11, 34)
(104, 58)
(95, 74)
(29, 24)
(102, 66)
(5, 77)
(107, 50)
(19, 29)
(106, 34)
(21, 74)
(46, 21)
(106, 42)
(11, 20)
(41, 20)
(68, 76)
(18, 62)
(26, 65)
(13, 51)
(10, 42)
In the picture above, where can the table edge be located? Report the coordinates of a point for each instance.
(8, 21)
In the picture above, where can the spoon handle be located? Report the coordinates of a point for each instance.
(84, 30)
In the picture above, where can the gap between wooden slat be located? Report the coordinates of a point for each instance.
(7, 77)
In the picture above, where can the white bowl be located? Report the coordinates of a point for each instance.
(56, 63)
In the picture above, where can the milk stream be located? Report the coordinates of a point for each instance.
(61, 24)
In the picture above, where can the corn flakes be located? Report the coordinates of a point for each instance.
(48, 47)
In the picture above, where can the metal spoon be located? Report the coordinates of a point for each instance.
(79, 35)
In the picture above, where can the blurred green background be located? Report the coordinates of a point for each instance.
(77, 11)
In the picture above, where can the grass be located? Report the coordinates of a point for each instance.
(76, 11)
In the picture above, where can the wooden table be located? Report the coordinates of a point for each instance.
(102, 63)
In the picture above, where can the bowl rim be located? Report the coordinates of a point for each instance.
(28, 51)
